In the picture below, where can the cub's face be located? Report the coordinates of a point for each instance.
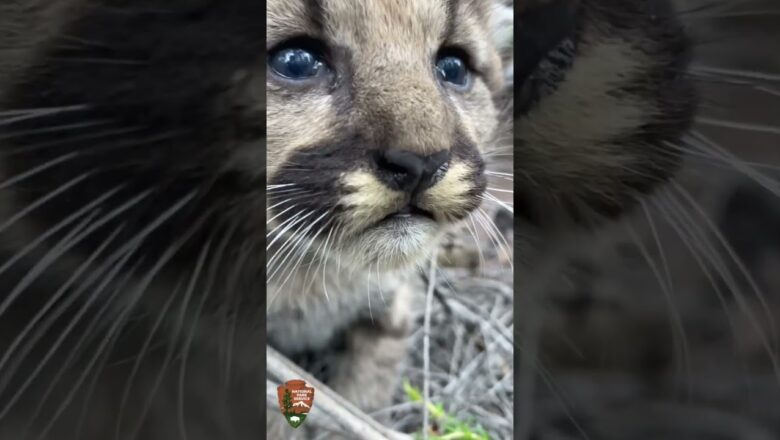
(378, 114)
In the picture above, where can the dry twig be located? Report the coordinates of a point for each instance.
(332, 411)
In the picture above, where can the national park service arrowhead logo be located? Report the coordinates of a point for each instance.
(295, 401)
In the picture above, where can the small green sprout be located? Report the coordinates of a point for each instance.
(446, 427)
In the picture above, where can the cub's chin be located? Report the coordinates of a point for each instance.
(397, 242)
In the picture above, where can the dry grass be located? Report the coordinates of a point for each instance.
(471, 350)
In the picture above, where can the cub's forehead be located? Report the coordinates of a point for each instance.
(357, 21)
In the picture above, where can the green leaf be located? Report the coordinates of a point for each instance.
(451, 428)
(412, 393)
(437, 411)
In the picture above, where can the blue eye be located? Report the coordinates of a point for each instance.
(295, 64)
(453, 70)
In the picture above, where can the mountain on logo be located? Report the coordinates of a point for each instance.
(300, 404)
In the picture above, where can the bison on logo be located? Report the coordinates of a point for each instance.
(295, 401)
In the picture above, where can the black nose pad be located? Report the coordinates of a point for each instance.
(410, 172)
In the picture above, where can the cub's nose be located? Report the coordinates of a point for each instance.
(410, 172)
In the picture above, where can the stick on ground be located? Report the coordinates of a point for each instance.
(331, 411)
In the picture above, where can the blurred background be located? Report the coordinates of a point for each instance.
(667, 326)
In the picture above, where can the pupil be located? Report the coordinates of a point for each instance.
(299, 62)
(452, 70)
(296, 64)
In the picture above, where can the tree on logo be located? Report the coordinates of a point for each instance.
(287, 402)
(294, 411)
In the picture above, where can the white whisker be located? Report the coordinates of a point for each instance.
(745, 126)
(749, 74)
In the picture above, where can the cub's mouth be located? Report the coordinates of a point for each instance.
(373, 206)
(408, 213)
